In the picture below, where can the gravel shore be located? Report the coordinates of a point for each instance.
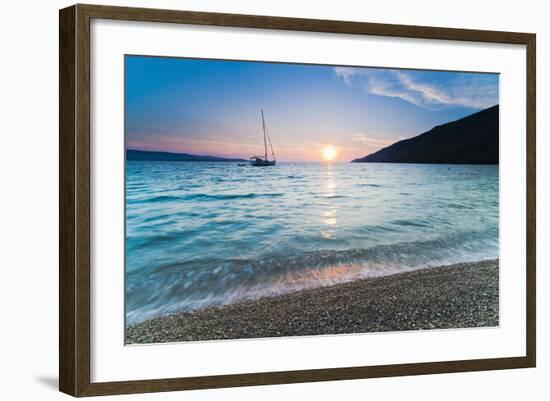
(456, 296)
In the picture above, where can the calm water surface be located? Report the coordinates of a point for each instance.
(200, 234)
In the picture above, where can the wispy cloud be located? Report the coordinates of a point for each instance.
(427, 89)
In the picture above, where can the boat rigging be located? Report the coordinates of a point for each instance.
(262, 161)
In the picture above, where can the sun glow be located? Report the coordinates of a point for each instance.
(329, 153)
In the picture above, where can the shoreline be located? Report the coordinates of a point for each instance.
(454, 296)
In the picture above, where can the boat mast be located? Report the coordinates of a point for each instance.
(263, 126)
(270, 145)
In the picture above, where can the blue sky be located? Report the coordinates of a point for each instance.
(213, 106)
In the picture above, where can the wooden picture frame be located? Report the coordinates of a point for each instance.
(74, 199)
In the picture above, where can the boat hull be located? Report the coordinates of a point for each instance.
(262, 163)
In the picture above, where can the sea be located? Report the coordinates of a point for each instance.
(202, 234)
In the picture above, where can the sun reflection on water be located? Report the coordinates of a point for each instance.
(329, 214)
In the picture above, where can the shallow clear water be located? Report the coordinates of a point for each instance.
(200, 234)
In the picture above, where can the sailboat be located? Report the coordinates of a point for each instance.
(262, 161)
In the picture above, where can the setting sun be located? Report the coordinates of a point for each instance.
(329, 153)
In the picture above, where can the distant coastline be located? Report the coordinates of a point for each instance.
(469, 140)
(143, 155)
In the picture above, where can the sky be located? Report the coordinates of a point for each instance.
(212, 107)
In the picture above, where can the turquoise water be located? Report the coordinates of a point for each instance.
(200, 234)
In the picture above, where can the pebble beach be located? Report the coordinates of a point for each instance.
(455, 296)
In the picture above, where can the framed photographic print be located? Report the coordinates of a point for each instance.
(251, 200)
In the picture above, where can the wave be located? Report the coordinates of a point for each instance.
(409, 222)
(206, 197)
(160, 198)
(193, 285)
(331, 196)
(370, 185)
(233, 196)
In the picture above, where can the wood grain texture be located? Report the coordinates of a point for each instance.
(67, 131)
(82, 193)
(301, 376)
(300, 24)
(531, 229)
(74, 199)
